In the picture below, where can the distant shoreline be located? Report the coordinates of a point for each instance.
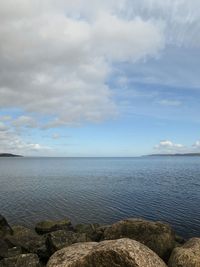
(175, 155)
(8, 155)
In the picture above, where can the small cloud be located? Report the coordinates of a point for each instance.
(167, 146)
(170, 102)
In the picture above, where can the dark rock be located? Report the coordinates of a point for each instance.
(13, 252)
(60, 239)
(156, 235)
(4, 227)
(186, 256)
(180, 240)
(6, 251)
(3, 248)
(90, 230)
(26, 239)
(113, 253)
(23, 260)
(45, 227)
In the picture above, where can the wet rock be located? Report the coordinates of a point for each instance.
(70, 255)
(186, 256)
(26, 239)
(45, 227)
(122, 252)
(60, 239)
(156, 235)
(90, 230)
(23, 260)
(6, 251)
(4, 227)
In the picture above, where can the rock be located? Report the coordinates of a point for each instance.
(122, 252)
(6, 251)
(60, 239)
(4, 227)
(45, 227)
(156, 235)
(186, 256)
(69, 255)
(3, 248)
(90, 230)
(179, 239)
(23, 260)
(26, 239)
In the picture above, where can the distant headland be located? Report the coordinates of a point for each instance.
(8, 155)
(176, 155)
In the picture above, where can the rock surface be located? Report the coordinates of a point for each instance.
(27, 240)
(4, 227)
(186, 256)
(23, 260)
(90, 230)
(122, 252)
(71, 255)
(60, 239)
(156, 235)
(45, 227)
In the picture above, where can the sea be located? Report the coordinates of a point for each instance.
(102, 190)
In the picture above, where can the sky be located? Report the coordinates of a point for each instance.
(99, 77)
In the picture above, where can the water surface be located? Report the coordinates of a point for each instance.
(102, 190)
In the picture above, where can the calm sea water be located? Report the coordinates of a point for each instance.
(102, 190)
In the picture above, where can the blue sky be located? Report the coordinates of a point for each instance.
(107, 78)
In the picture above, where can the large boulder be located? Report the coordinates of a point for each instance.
(122, 252)
(89, 229)
(60, 239)
(186, 256)
(156, 235)
(4, 227)
(45, 227)
(23, 260)
(71, 255)
(28, 240)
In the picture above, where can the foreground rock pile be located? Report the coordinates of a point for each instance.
(127, 243)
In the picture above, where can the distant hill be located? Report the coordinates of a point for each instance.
(8, 155)
(175, 155)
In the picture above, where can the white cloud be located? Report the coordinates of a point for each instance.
(56, 56)
(11, 142)
(167, 146)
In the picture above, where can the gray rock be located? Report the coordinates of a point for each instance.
(156, 235)
(113, 253)
(70, 255)
(60, 239)
(45, 227)
(90, 230)
(26, 239)
(4, 227)
(186, 256)
(23, 260)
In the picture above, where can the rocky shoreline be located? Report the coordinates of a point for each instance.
(127, 243)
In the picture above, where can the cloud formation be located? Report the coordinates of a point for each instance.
(56, 56)
(167, 146)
